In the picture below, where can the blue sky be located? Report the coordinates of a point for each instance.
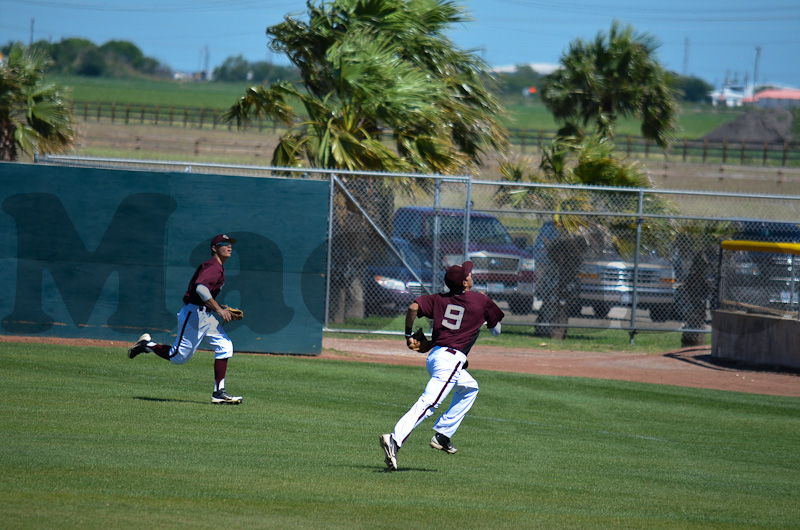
(711, 39)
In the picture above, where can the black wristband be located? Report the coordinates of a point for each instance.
(409, 332)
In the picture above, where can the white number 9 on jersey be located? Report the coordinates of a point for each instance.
(453, 315)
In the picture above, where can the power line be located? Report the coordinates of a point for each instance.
(159, 7)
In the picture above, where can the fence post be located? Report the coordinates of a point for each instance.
(214, 125)
(171, 111)
(185, 116)
(156, 123)
(539, 141)
(685, 145)
(705, 150)
(113, 111)
(202, 113)
(127, 113)
(637, 250)
(741, 157)
(764, 160)
(724, 151)
(437, 203)
(522, 142)
(141, 116)
(86, 111)
(785, 153)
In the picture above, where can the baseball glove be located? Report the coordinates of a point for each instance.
(236, 313)
(419, 342)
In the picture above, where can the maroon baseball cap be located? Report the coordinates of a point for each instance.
(455, 276)
(222, 238)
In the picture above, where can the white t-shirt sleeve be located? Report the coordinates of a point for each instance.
(203, 291)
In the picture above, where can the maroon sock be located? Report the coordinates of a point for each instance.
(220, 367)
(162, 350)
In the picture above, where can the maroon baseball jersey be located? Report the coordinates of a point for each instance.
(458, 318)
(212, 275)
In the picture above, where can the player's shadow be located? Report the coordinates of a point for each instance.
(383, 469)
(169, 400)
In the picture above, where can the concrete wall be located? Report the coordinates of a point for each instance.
(755, 339)
(108, 254)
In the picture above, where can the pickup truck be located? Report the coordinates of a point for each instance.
(604, 279)
(502, 268)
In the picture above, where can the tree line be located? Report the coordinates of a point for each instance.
(119, 58)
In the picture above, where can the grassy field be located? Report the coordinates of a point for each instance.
(694, 120)
(151, 92)
(94, 440)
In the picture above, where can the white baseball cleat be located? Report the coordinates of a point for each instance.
(140, 346)
(442, 443)
(390, 448)
(220, 397)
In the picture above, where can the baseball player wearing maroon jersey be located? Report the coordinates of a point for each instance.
(196, 322)
(457, 318)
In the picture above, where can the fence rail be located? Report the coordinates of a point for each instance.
(528, 141)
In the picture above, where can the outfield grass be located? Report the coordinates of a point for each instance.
(94, 440)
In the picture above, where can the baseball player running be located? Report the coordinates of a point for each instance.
(457, 318)
(196, 322)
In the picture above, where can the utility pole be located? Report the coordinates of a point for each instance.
(755, 70)
(686, 57)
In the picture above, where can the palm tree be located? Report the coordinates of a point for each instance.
(382, 89)
(587, 161)
(34, 118)
(373, 70)
(616, 74)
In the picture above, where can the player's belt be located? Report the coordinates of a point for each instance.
(451, 350)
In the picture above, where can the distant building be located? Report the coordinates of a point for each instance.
(777, 99)
(731, 95)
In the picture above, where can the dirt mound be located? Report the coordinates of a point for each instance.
(771, 126)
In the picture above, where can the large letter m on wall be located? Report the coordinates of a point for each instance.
(132, 246)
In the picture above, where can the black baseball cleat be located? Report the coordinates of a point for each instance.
(442, 442)
(140, 346)
(390, 449)
(220, 397)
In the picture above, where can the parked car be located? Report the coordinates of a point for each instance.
(764, 278)
(390, 286)
(503, 269)
(605, 280)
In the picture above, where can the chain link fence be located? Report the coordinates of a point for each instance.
(554, 257)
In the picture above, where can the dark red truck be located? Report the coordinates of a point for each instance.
(502, 269)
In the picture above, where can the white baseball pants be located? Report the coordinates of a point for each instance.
(445, 368)
(196, 323)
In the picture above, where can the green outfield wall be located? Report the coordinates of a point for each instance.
(107, 254)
